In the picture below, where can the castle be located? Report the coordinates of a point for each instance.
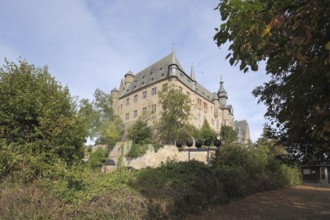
(137, 96)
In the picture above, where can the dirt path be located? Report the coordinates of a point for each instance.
(302, 203)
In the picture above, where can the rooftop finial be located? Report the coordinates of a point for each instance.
(173, 55)
(192, 73)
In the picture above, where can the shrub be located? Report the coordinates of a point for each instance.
(157, 147)
(137, 150)
(140, 133)
(97, 158)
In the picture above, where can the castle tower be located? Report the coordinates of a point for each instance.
(192, 76)
(115, 96)
(129, 77)
(222, 95)
(174, 65)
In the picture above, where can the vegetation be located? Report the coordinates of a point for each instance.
(292, 38)
(140, 133)
(39, 125)
(228, 135)
(170, 191)
(175, 115)
(206, 132)
(137, 150)
(100, 120)
(97, 158)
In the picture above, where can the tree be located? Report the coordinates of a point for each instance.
(100, 119)
(175, 115)
(140, 133)
(228, 135)
(38, 116)
(292, 37)
(207, 131)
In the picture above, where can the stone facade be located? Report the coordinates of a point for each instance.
(150, 158)
(137, 96)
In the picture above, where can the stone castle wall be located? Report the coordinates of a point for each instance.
(152, 158)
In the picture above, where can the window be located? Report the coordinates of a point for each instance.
(199, 101)
(188, 93)
(127, 101)
(127, 116)
(154, 91)
(205, 106)
(135, 113)
(144, 110)
(144, 94)
(153, 108)
(180, 88)
(135, 98)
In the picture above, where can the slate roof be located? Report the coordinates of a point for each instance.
(160, 71)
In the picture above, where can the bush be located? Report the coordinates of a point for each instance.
(140, 133)
(180, 188)
(157, 147)
(137, 150)
(97, 158)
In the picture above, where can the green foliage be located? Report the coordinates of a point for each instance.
(100, 120)
(97, 158)
(249, 170)
(297, 95)
(228, 135)
(175, 115)
(178, 188)
(79, 185)
(38, 122)
(157, 147)
(170, 191)
(137, 150)
(205, 132)
(140, 133)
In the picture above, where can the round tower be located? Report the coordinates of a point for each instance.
(222, 94)
(129, 77)
(215, 101)
(115, 96)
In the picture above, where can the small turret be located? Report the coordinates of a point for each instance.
(129, 77)
(222, 94)
(115, 96)
(215, 101)
(192, 73)
(192, 76)
(173, 66)
(114, 93)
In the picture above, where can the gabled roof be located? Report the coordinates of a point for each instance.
(153, 73)
(160, 71)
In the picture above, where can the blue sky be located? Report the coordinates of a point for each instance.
(90, 44)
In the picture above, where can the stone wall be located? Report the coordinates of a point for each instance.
(152, 158)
